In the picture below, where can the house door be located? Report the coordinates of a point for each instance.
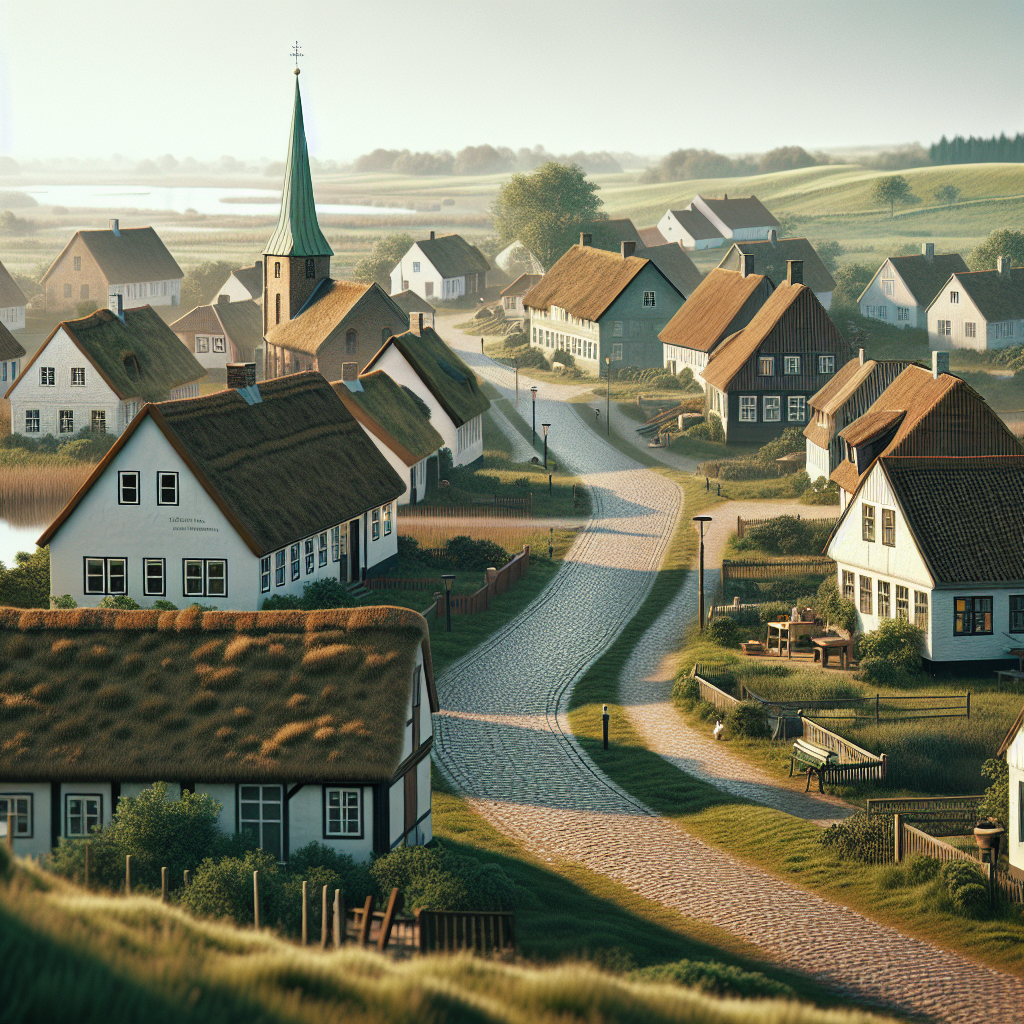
(410, 806)
(432, 472)
(412, 486)
(353, 550)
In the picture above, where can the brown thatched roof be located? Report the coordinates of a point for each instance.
(772, 258)
(286, 467)
(522, 284)
(453, 256)
(703, 320)
(10, 293)
(872, 424)
(10, 347)
(132, 255)
(298, 697)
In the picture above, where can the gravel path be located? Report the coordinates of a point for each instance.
(504, 740)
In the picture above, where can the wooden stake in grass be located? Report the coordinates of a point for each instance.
(394, 906)
(163, 885)
(339, 920)
(364, 931)
(256, 899)
(325, 913)
(128, 875)
(88, 860)
(10, 831)
(305, 913)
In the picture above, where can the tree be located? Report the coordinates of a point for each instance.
(201, 282)
(851, 280)
(892, 190)
(1004, 242)
(785, 158)
(829, 253)
(545, 209)
(386, 252)
(947, 194)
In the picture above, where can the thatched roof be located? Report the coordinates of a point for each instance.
(10, 293)
(872, 424)
(242, 322)
(771, 258)
(139, 356)
(10, 347)
(297, 697)
(292, 465)
(445, 375)
(998, 296)
(924, 277)
(671, 259)
(392, 414)
(130, 256)
(522, 284)
(409, 302)
(453, 256)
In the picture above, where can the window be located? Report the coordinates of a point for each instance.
(902, 313)
(766, 366)
(335, 543)
(617, 352)
(78, 263)
(883, 600)
(83, 814)
(796, 408)
(869, 310)
(47, 376)
(867, 523)
(954, 297)
(351, 342)
(826, 364)
(972, 615)
(204, 577)
(387, 519)
(20, 805)
(167, 488)
(617, 329)
(1017, 613)
(883, 312)
(649, 299)
(343, 813)
(279, 568)
(888, 287)
(748, 408)
(31, 421)
(791, 365)
(848, 582)
(277, 270)
(106, 575)
(265, 575)
(771, 406)
(218, 344)
(310, 556)
(865, 594)
(128, 487)
(415, 267)
(921, 609)
(322, 549)
(202, 343)
(296, 561)
(154, 577)
(67, 421)
(1004, 330)
(944, 329)
(98, 421)
(67, 291)
(889, 527)
(310, 269)
(277, 308)
(259, 816)
(78, 376)
(970, 330)
(375, 524)
(902, 602)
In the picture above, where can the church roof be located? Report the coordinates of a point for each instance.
(297, 232)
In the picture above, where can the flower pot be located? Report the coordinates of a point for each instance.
(988, 839)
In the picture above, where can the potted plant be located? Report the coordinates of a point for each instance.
(987, 834)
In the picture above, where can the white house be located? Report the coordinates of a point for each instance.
(708, 223)
(98, 371)
(342, 759)
(901, 551)
(420, 361)
(772, 257)
(397, 422)
(244, 283)
(1013, 747)
(228, 499)
(441, 268)
(12, 302)
(11, 355)
(903, 286)
(512, 296)
(690, 229)
(983, 310)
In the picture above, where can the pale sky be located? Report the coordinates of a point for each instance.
(205, 79)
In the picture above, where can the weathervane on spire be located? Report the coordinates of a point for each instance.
(296, 53)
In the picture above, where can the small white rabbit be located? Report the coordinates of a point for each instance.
(717, 731)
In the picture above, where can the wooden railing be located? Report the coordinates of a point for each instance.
(855, 763)
(711, 693)
(497, 583)
(885, 709)
(451, 930)
(954, 810)
(777, 568)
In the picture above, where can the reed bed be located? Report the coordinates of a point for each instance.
(33, 491)
(509, 536)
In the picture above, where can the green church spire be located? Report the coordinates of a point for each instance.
(297, 232)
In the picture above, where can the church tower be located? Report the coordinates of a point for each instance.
(297, 257)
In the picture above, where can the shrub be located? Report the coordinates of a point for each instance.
(821, 492)
(164, 606)
(896, 641)
(65, 602)
(833, 607)
(280, 602)
(687, 690)
(470, 555)
(563, 357)
(724, 632)
(878, 672)
(856, 838)
(788, 535)
(717, 979)
(996, 802)
(223, 888)
(748, 719)
(353, 879)
(532, 358)
(326, 593)
(26, 584)
(966, 887)
(921, 869)
(122, 602)
(710, 430)
(789, 442)
(744, 469)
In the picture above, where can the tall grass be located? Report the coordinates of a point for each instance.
(511, 537)
(33, 489)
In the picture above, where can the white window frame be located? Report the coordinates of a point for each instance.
(791, 366)
(748, 409)
(78, 376)
(265, 574)
(22, 811)
(771, 408)
(970, 329)
(799, 403)
(416, 267)
(902, 313)
(944, 328)
(202, 343)
(105, 564)
(47, 376)
(826, 364)
(337, 801)
(279, 557)
(167, 487)
(149, 589)
(954, 298)
(883, 312)
(310, 556)
(255, 824)
(888, 286)
(218, 344)
(65, 421)
(83, 813)
(124, 476)
(335, 543)
(32, 421)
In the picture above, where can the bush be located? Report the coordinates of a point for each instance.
(821, 492)
(896, 641)
(120, 601)
(687, 690)
(27, 583)
(748, 719)
(164, 606)
(788, 535)
(745, 469)
(716, 979)
(996, 802)
(833, 607)
(280, 603)
(856, 838)
(563, 357)
(723, 631)
(474, 555)
(966, 887)
(532, 358)
(789, 442)
(326, 593)
(65, 602)
(223, 889)
(354, 880)
(710, 430)
(921, 869)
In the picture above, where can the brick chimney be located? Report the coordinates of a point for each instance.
(115, 303)
(223, 298)
(746, 264)
(773, 236)
(1003, 265)
(241, 375)
(627, 249)
(940, 363)
(586, 239)
(416, 323)
(349, 371)
(928, 250)
(795, 271)
(114, 227)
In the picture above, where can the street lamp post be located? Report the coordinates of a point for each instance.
(533, 391)
(545, 426)
(700, 576)
(449, 578)
(608, 396)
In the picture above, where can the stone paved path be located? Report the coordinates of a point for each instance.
(504, 740)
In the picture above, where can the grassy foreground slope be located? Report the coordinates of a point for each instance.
(76, 956)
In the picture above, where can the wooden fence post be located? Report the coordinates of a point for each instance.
(256, 899)
(10, 830)
(394, 906)
(128, 875)
(339, 919)
(897, 830)
(305, 913)
(877, 697)
(88, 864)
(968, 703)
(364, 931)
(187, 877)
(325, 915)
(163, 885)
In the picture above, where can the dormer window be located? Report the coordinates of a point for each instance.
(131, 366)
(310, 269)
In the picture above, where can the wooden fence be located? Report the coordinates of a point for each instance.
(855, 763)
(711, 693)
(952, 812)
(498, 507)
(483, 932)
(497, 583)
(777, 568)
(742, 525)
(887, 709)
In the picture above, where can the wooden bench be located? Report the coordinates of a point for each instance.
(1012, 674)
(814, 761)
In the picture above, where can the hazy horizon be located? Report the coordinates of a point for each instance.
(204, 81)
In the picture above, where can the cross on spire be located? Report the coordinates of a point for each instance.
(296, 53)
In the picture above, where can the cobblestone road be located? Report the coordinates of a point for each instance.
(503, 738)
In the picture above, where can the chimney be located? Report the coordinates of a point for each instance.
(416, 323)
(940, 363)
(114, 227)
(586, 239)
(349, 371)
(115, 303)
(627, 249)
(746, 264)
(223, 298)
(928, 250)
(773, 236)
(725, 195)
(1003, 265)
(431, 235)
(795, 271)
(860, 356)
(241, 375)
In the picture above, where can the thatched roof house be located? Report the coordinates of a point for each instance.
(222, 333)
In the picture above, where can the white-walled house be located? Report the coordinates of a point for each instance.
(393, 420)
(441, 268)
(901, 551)
(983, 310)
(98, 371)
(690, 229)
(345, 761)
(228, 499)
(242, 284)
(903, 286)
(421, 361)
(708, 223)
(12, 302)
(1013, 748)
(11, 355)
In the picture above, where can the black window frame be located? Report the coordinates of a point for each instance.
(162, 592)
(122, 474)
(973, 612)
(325, 790)
(68, 797)
(1019, 628)
(106, 560)
(279, 567)
(33, 415)
(205, 577)
(295, 561)
(889, 527)
(161, 473)
(67, 415)
(29, 833)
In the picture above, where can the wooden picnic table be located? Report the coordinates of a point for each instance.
(824, 645)
(788, 633)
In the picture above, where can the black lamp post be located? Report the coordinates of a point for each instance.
(533, 391)
(449, 578)
(608, 396)
(545, 426)
(700, 577)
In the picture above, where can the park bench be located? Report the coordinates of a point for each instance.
(814, 760)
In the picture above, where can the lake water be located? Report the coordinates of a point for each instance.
(179, 199)
(18, 538)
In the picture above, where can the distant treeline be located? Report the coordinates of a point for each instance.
(959, 150)
(480, 160)
(684, 164)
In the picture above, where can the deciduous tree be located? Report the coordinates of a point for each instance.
(947, 194)
(892, 190)
(1004, 242)
(386, 253)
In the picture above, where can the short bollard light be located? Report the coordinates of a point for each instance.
(604, 725)
(551, 542)
(449, 578)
